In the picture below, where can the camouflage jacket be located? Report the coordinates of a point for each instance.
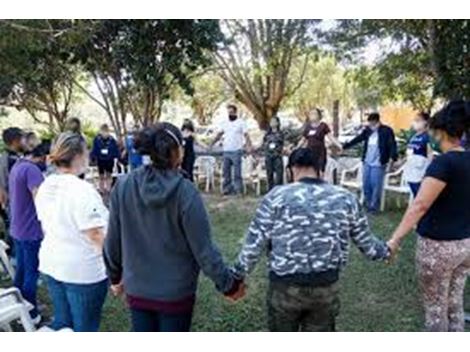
(273, 143)
(307, 227)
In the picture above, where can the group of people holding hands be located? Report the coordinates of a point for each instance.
(155, 238)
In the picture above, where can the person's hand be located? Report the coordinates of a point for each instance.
(117, 289)
(394, 246)
(238, 294)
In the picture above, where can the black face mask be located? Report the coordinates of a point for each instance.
(232, 117)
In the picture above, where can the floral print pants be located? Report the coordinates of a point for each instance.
(443, 267)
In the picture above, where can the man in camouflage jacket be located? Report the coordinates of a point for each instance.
(306, 227)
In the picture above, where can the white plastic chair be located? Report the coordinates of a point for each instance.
(331, 166)
(204, 170)
(396, 183)
(352, 178)
(5, 263)
(13, 307)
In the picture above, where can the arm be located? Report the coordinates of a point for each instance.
(197, 229)
(430, 152)
(34, 178)
(249, 144)
(393, 146)
(430, 189)
(112, 244)
(372, 247)
(333, 141)
(96, 236)
(217, 138)
(256, 239)
(356, 140)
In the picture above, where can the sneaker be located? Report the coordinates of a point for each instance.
(37, 320)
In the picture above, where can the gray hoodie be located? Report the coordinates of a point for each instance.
(159, 237)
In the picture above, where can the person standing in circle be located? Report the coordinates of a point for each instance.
(73, 219)
(105, 152)
(189, 156)
(235, 135)
(442, 214)
(160, 238)
(314, 135)
(273, 147)
(419, 153)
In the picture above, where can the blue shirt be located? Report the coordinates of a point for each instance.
(373, 152)
(419, 144)
(135, 159)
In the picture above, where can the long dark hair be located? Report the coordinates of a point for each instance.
(162, 142)
(454, 119)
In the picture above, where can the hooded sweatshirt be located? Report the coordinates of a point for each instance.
(159, 237)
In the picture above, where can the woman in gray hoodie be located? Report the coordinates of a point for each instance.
(159, 238)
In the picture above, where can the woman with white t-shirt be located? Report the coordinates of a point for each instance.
(73, 218)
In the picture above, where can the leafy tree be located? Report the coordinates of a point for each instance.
(35, 69)
(256, 60)
(135, 63)
(324, 82)
(209, 92)
(427, 58)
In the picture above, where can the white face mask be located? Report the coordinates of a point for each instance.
(418, 125)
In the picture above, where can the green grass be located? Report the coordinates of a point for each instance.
(374, 296)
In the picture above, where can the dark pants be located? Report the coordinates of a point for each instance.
(274, 170)
(188, 167)
(373, 183)
(77, 306)
(414, 187)
(27, 274)
(232, 165)
(150, 321)
(293, 308)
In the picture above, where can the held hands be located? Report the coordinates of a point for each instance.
(394, 246)
(238, 293)
(117, 289)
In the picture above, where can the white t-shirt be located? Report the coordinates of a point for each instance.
(234, 134)
(67, 206)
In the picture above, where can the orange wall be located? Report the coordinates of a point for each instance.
(397, 116)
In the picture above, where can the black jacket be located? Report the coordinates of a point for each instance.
(387, 143)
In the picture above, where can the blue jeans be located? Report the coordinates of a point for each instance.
(414, 187)
(27, 273)
(373, 183)
(150, 321)
(232, 162)
(77, 306)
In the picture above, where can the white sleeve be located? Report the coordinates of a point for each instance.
(90, 212)
(220, 128)
(244, 127)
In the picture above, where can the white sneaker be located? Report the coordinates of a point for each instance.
(37, 320)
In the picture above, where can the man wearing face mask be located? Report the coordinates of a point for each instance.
(25, 179)
(234, 133)
(380, 147)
